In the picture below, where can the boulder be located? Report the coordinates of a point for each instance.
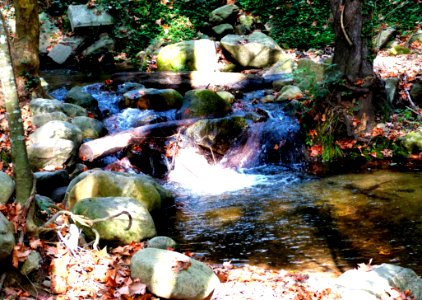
(90, 128)
(82, 17)
(223, 13)
(60, 53)
(32, 263)
(227, 96)
(42, 119)
(73, 110)
(203, 103)
(104, 44)
(57, 130)
(218, 135)
(382, 38)
(416, 92)
(289, 92)
(380, 282)
(256, 50)
(116, 229)
(7, 187)
(223, 29)
(51, 154)
(162, 242)
(78, 96)
(155, 99)
(172, 275)
(194, 55)
(99, 183)
(41, 106)
(47, 30)
(413, 141)
(391, 85)
(7, 239)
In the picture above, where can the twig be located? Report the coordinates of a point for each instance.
(413, 107)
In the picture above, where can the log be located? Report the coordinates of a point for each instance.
(110, 144)
(184, 81)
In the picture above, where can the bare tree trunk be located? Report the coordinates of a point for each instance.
(22, 171)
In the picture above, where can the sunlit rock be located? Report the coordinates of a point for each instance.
(51, 154)
(172, 275)
(99, 183)
(223, 13)
(155, 99)
(41, 119)
(379, 282)
(217, 135)
(7, 186)
(73, 110)
(32, 263)
(41, 106)
(7, 239)
(194, 55)
(289, 92)
(256, 50)
(116, 229)
(57, 130)
(203, 103)
(413, 141)
(382, 38)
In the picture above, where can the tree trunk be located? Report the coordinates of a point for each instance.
(351, 58)
(22, 171)
(26, 48)
(94, 149)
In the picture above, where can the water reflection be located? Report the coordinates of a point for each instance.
(329, 224)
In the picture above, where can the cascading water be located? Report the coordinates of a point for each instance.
(255, 206)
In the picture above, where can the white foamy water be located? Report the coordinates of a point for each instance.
(193, 172)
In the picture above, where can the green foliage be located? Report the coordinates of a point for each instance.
(297, 24)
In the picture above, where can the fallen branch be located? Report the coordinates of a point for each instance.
(112, 143)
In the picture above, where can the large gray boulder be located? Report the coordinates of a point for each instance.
(41, 106)
(172, 275)
(7, 239)
(155, 99)
(51, 154)
(99, 183)
(116, 229)
(223, 13)
(203, 103)
(380, 282)
(7, 186)
(42, 119)
(82, 17)
(57, 130)
(256, 50)
(218, 135)
(195, 55)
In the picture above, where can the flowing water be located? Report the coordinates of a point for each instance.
(277, 216)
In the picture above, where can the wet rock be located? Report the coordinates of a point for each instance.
(218, 135)
(155, 99)
(162, 242)
(116, 229)
(7, 187)
(195, 55)
(172, 275)
(203, 103)
(380, 282)
(256, 50)
(223, 13)
(98, 183)
(7, 239)
(78, 96)
(90, 128)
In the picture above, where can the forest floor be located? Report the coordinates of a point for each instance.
(92, 274)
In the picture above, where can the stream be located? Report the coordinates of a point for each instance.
(275, 215)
